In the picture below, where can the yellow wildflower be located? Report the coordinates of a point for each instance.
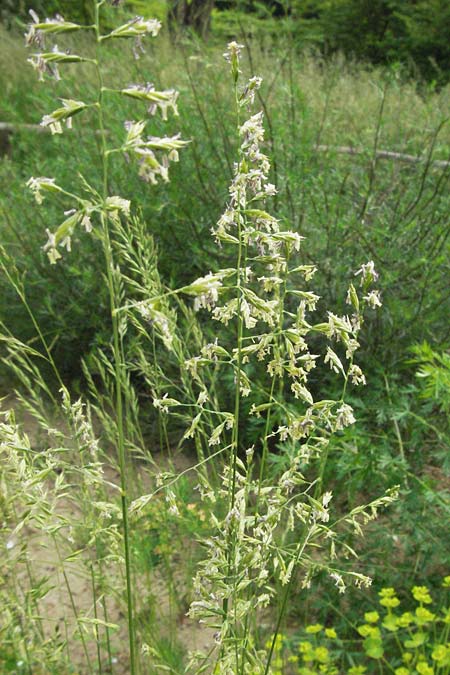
(314, 628)
(423, 616)
(371, 617)
(321, 654)
(421, 594)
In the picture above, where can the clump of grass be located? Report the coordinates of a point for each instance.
(266, 522)
(98, 208)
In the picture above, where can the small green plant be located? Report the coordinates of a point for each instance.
(415, 641)
(433, 373)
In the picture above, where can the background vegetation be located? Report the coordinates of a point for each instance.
(411, 34)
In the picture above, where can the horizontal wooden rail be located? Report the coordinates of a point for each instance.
(382, 154)
(7, 128)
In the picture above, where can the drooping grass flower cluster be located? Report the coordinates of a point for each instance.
(153, 153)
(102, 211)
(267, 525)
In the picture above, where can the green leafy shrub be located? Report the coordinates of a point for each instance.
(12, 11)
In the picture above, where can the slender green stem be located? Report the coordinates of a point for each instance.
(237, 398)
(240, 332)
(397, 429)
(38, 619)
(108, 638)
(27, 651)
(281, 297)
(265, 448)
(300, 548)
(19, 597)
(118, 359)
(21, 293)
(237, 404)
(72, 604)
(97, 635)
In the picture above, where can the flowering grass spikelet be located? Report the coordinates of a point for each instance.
(37, 29)
(152, 166)
(48, 62)
(40, 185)
(164, 100)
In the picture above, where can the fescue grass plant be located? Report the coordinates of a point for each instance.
(244, 368)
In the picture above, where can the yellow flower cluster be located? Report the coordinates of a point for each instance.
(420, 646)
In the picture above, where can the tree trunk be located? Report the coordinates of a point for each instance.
(192, 15)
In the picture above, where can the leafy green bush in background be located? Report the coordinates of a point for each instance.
(12, 11)
(413, 34)
(400, 635)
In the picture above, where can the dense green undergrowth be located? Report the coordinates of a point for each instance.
(350, 208)
(397, 211)
(410, 35)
